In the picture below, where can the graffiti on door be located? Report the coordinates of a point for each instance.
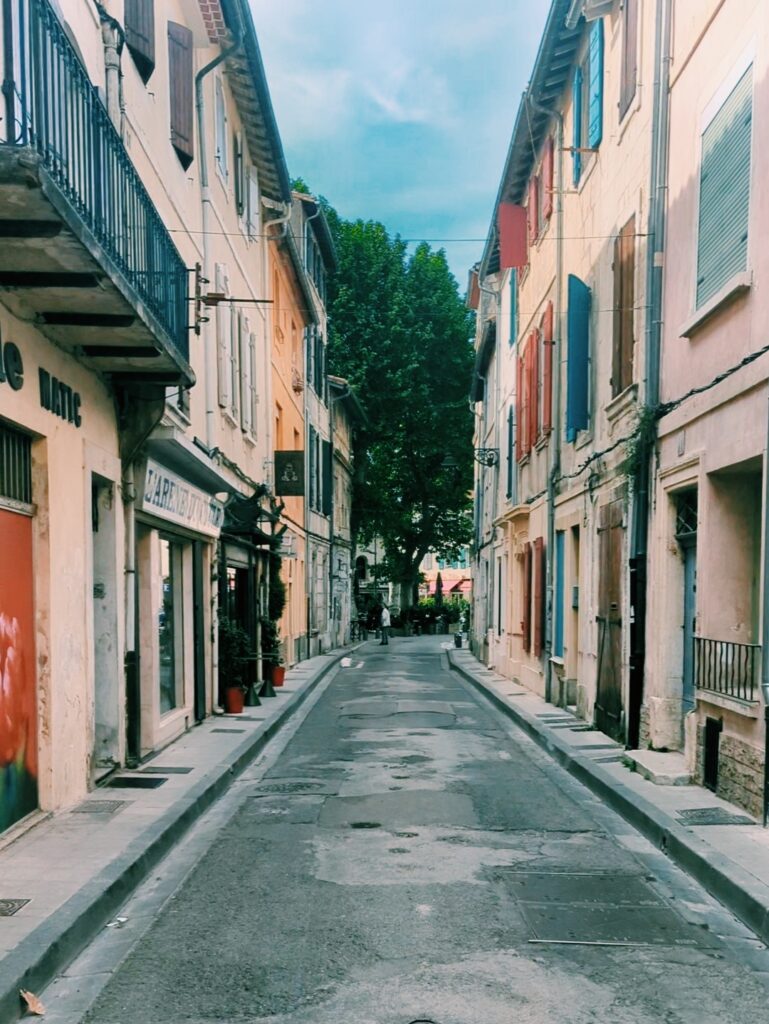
(18, 699)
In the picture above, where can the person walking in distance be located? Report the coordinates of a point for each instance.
(385, 624)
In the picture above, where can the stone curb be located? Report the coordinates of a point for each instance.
(62, 936)
(743, 894)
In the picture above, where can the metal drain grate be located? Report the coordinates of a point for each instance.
(228, 730)
(100, 806)
(712, 816)
(135, 782)
(156, 769)
(9, 907)
(290, 787)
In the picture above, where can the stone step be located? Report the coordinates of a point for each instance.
(664, 768)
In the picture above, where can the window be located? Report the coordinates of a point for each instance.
(224, 342)
(587, 100)
(234, 354)
(539, 596)
(624, 312)
(170, 625)
(252, 203)
(510, 452)
(180, 91)
(559, 609)
(546, 334)
(578, 357)
(629, 69)
(140, 35)
(238, 173)
(526, 598)
(327, 482)
(547, 179)
(253, 381)
(513, 306)
(311, 466)
(532, 205)
(722, 243)
(221, 129)
(246, 381)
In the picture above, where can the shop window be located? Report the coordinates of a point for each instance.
(170, 625)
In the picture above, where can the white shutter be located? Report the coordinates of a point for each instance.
(245, 375)
(252, 201)
(222, 320)
(252, 380)
(221, 128)
(234, 354)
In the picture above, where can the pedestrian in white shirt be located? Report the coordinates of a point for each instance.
(385, 624)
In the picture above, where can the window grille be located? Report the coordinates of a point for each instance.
(15, 465)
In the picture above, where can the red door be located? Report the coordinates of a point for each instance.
(18, 690)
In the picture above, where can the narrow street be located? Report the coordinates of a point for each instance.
(409, 854)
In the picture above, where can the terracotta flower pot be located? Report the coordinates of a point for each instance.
(278, 674)
(233, 700)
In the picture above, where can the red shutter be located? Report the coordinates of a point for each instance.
(533, 207)
(140, 34)
(519, 410)
(526, 617)
(547, 179)
(533, 349)
(526, 392)
(539, 594)
(511, 225)
(180, 89)
(547, 371)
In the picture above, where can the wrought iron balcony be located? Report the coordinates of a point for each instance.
(83, 248)
(727, 668)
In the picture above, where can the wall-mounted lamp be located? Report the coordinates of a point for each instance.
(487, 456)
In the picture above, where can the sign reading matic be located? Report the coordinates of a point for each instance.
(171, 497)
(55, 396)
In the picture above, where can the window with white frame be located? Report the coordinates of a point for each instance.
(724, 204)
(246, 385)
(222, 135)
(252, 203)
(234, 354)
(223, 339)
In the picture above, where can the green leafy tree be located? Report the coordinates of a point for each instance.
(401, 335)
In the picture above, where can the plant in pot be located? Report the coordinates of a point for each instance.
(235, 655)
(272, 659)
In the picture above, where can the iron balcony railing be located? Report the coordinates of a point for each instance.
(725, 667)
(52, 106)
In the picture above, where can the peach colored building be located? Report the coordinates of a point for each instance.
(703, 692)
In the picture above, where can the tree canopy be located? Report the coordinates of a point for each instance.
(400, 333)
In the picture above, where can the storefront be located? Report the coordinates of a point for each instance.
(177, 529)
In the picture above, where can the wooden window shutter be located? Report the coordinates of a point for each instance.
(576, 116)
(533, 388)
(629, 69)
(238, 171)
(526, 597)
(595, 90)
(180, 91)
(234, 353)
(547, 179)
(246, 406)
(520, 409)
(539, 595)
(327, 477)
(547, 371)
(510, 453)
(222, 319)
(624, 311)
(725, 176)
(311, 450)
(578, 357)
(140, 35)
(533, 208)
(526, 391)
(252, 380)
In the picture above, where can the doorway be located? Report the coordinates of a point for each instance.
(686, 535)
(106, 663)
(608, 703)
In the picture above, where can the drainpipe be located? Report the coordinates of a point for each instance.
(113, 39)
(639, 554)
(209, 343)
(554, 448)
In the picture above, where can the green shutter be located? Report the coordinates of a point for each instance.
(328, 481)
(578, 365)
(722, 244)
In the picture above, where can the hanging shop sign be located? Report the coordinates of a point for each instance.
(289, 474)
(174, 499)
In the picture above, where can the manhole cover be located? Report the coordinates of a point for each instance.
(365, 824)
(645, 926)
(712, 816)
(135, 782)
(228, 730)
(10, 907)
(100, 806)
(582, 888)
(290, 787)
(156, 769)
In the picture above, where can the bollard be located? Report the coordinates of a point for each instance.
(457, 639)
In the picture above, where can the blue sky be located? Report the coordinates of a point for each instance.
(401, 110)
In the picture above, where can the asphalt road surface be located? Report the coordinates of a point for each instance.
(407, 854)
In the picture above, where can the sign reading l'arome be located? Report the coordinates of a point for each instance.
(173, 498)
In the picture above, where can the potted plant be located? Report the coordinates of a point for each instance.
(234, 657)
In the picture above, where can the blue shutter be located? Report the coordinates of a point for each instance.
(513, 306)
(577, 369)
(559, 594)
(722, 244)
(595, 107)
(576, 113)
